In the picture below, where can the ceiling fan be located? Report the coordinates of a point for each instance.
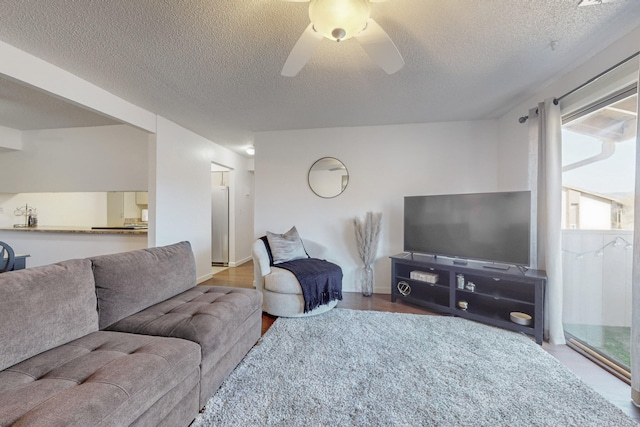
(339, 20)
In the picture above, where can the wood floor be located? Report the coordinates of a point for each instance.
(613, 389)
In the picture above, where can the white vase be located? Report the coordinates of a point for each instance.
(366, 280)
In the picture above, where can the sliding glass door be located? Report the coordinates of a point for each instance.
(598, 198)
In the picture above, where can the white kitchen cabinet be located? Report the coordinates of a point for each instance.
(121, 205)
(142, 198)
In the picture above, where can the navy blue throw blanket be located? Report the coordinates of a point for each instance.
(320, 280)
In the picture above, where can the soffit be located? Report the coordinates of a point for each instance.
(26, 108)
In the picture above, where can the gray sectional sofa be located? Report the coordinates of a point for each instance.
(117, 340)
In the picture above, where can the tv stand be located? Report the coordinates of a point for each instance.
(494, 295)
(411, 255)
(497, 266)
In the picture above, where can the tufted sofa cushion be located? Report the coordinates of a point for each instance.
(31, 299)
(128, 282)
(212, 316)
(102, 379)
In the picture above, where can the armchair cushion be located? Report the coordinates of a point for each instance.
(286, 247)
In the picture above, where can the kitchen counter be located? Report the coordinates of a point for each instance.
(76, 230)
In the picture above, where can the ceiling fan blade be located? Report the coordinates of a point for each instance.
(594, 2)
(380, 47)
(301, 52)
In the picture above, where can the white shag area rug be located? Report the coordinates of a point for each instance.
(366, 368)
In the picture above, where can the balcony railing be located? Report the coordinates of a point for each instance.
(597, 277)
(597, 268)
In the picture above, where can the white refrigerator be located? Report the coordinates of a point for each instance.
(219, 225)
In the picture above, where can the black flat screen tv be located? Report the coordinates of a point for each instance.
(493, 227)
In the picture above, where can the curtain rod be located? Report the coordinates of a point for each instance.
(525, 118)
(591, 80)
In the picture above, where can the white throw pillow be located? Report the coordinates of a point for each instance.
(286, 247)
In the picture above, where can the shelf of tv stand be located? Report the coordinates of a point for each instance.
(497, 293)
(429, 295)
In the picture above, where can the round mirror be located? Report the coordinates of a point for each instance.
(328, 177)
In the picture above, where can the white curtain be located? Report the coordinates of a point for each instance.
(545, 175)
(635, 277)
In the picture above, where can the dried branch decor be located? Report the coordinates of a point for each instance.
(367, 236)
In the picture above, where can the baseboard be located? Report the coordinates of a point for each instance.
(240, 262)
(203, 278)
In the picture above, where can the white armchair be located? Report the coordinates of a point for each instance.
(282, 294)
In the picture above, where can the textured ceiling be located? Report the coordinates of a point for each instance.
(214, 66)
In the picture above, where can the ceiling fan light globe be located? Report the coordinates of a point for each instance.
(347, 17)
(338, 33)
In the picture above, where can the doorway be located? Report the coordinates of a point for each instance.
(219, 215)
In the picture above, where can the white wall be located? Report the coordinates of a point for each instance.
(10, 139)
(103, 158)
(385, 163)
(513, 136)
(180, 193)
